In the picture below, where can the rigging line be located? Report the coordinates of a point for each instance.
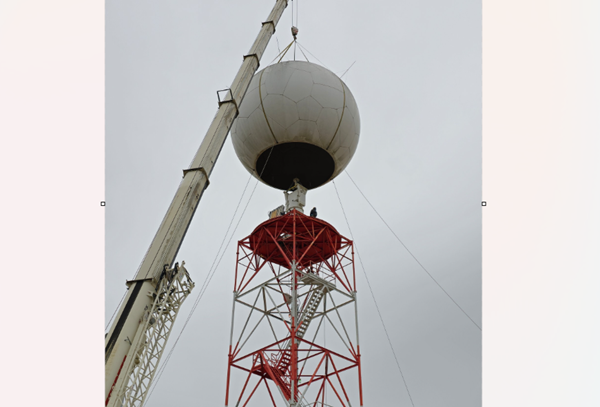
(303, 47)
(373, 296)
(226, 232)
(305, 57)
(347, 69)
(210, 274)
(282, 53)
(205, 284)
(409, 252)
(213, 270)
(116, 309)
(231, 237)
(229, 241)
(200, 295)
(237, 224)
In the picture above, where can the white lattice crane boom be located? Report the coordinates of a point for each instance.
(142, 325)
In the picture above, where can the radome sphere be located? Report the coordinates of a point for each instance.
(297, 120)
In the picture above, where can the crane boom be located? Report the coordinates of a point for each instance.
(128, 339)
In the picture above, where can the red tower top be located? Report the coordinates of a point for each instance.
(295, 236)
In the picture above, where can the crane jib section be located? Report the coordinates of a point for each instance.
(121, 338)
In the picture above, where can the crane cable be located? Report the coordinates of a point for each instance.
(302, 47)
(285, 50)
(305, 57)
(294, 26)
(373, 296)
(205, 284)
(116, 309)
(412, 255)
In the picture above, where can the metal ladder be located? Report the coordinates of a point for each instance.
(283, 362)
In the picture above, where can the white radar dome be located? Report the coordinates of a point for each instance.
(297, 120)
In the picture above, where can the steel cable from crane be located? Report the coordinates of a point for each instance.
(115, 313)
(296, 25)
(412, 255)
(213, 268)
(296, 12)
(373, 295)
(305, 57)
(302, 47)
(282, 53)
(211, 273)
(346, 71)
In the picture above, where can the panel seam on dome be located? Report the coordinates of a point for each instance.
(263, 107)
(341, 117)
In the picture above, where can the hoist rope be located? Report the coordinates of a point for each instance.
(412, 255)
(296, 12)
(373, 296)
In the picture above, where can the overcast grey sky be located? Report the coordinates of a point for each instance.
(417, 83)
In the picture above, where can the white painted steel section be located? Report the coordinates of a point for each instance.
(295, 198)
(150, 339)
(168, 238)
(295, 324)
(297, 101)
(315, 289)
(128, 333)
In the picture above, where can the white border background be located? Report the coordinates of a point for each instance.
(541, 98)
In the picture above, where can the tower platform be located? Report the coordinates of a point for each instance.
(295, 236)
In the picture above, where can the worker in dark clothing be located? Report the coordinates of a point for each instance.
(313, 213)
(171, 273)
(162, 275)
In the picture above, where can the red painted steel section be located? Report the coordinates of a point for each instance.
(314, 238)
(115, 382)
(312, 246)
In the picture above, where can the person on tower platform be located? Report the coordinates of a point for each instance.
(313, 212)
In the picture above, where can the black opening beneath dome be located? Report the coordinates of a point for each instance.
(312, 165)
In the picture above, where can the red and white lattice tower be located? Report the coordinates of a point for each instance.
(295, 279)
(294, 331)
